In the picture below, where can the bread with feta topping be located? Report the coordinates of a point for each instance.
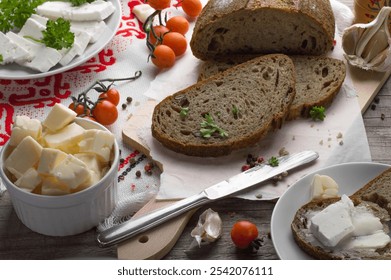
(238, 107)
(375, 196)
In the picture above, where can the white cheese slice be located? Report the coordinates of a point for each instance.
(143, 11)
(26, 155)
(94, 28)
(11, 51)
(29, 180)
(59, 117)
(98, 10)
(98, 142)
(50, 186)
(71, 172)
(333, 224)
(378, 239)
(32, 28)
(365, 222)
(65, 139)
(50, 158)
(24, 126)
(80, 43)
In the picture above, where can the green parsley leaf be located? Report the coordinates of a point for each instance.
(209, 128)
(273, 161)
(318, 113)
(14, 13)
(1, 58)
(184, 111)
(235, 111)
(58, 34)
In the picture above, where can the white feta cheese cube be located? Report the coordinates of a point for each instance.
(51, 186)
(24, 126)
(81, 42)
(11, 51)
(59, 117)
(29, 180)
(65, 139)
(71, 172)
(50, 158)
(143, 11)
(26, 155)
(98, 142)
(94, 28)
(32, 28)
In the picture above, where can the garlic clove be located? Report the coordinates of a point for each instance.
(209, 227)
(368, 46)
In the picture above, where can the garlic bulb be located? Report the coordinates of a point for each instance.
(368, 46)
(209, 227)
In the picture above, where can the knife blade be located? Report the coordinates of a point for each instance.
(235, 184)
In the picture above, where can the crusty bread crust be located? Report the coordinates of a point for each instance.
(263, 26)
(262, 89)
(305, 240)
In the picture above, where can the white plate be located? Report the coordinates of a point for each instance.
(15, 72)
(349, 176)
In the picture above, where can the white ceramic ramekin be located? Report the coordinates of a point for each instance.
(68, 214)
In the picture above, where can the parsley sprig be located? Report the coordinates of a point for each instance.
(209, 128)
(80, 2)
(57, 34)
(273, 162)
(318, 113)
(1, 58)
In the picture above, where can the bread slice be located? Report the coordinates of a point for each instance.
(318, 79)
(246, 102)
(375, 195)
(264, 26)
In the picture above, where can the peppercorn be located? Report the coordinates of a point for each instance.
(138, 174)
(129, 99)
(124, 106)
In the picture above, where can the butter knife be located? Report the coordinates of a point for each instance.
(220, 190)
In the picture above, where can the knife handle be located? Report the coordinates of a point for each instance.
(136, 226)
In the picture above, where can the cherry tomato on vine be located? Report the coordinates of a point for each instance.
(158, 30)
(178, 24)
(105, 112)
(79, 108)
(163, 57)
(159, 4)
(243, 233)
(192, 8)
(176, 41)
(111, 95)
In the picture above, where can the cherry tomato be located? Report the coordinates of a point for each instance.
(192, 8)
(79, 108)
(163, 57)
(178, 24)
(111, 95)
(105, 112)
(159, 4)
(89, 118)
(243, 233)
(158, 30)
(176, 41)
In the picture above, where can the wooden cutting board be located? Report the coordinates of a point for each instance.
(157, 242)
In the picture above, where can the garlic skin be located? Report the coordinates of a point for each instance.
(368, 46)
(209, 227)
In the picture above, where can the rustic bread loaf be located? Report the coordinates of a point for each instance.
(241, 104)
(318, 79)
(263, 26)
(375, 195)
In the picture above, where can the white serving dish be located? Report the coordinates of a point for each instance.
(68, 214)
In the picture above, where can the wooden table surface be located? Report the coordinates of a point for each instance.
(18, 242)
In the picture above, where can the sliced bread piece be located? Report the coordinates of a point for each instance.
(263, 27)
(237, 108)
(318, 79)
(375, 196)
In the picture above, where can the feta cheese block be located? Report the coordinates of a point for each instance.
(50, 158)
(71, 172)
(32, 28)
(97, 10)
(29, 180)
(333, 224)
(11, 51)
(26, 155)
(82, 39)
(58, 117)
(65, 139)
(24, 126)
(51, 186)
(93, 28)
(143, 11)
(98, 142)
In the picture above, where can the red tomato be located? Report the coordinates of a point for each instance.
(159, 4)
(192, 8)
(243, 233)
(158, 31)
(111, 95)
(176, 41)
(163, 57)
(105, 112)
(178, 24)
(79, 108)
